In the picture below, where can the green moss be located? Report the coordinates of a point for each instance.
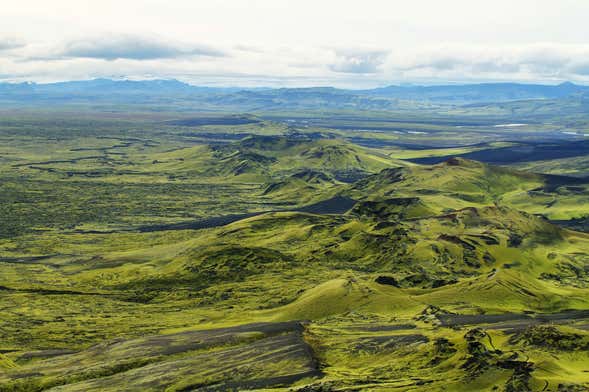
(91, 264)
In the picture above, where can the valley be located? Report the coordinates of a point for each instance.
(161, 251)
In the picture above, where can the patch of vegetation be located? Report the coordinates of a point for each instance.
(172, 251)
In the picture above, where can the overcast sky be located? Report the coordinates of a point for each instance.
(361, 43)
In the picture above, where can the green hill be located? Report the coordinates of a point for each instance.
(460, 183)
(447, 276)
(263, 158)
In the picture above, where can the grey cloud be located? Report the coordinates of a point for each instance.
(536, 60)
(496, 67)
(581, 68)
(456, 62)
(248, 48)
(133, 48)
(359, 62)
(11, 43)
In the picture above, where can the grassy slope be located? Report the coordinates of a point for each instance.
(242, 276)
(459, 183)
(451, 236)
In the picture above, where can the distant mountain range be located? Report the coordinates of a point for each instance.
(485, 92)
(173, 93)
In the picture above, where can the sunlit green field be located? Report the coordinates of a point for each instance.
(137, 254)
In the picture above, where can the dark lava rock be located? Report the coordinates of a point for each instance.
(388, 280)
(550, 337)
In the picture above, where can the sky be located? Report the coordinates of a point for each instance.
(342, 43)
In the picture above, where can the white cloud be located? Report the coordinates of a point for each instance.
(288, 42)
(133, 47)
(9, 43)
(542, 61)
(359, 61)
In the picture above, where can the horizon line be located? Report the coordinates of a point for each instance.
(448, 83)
